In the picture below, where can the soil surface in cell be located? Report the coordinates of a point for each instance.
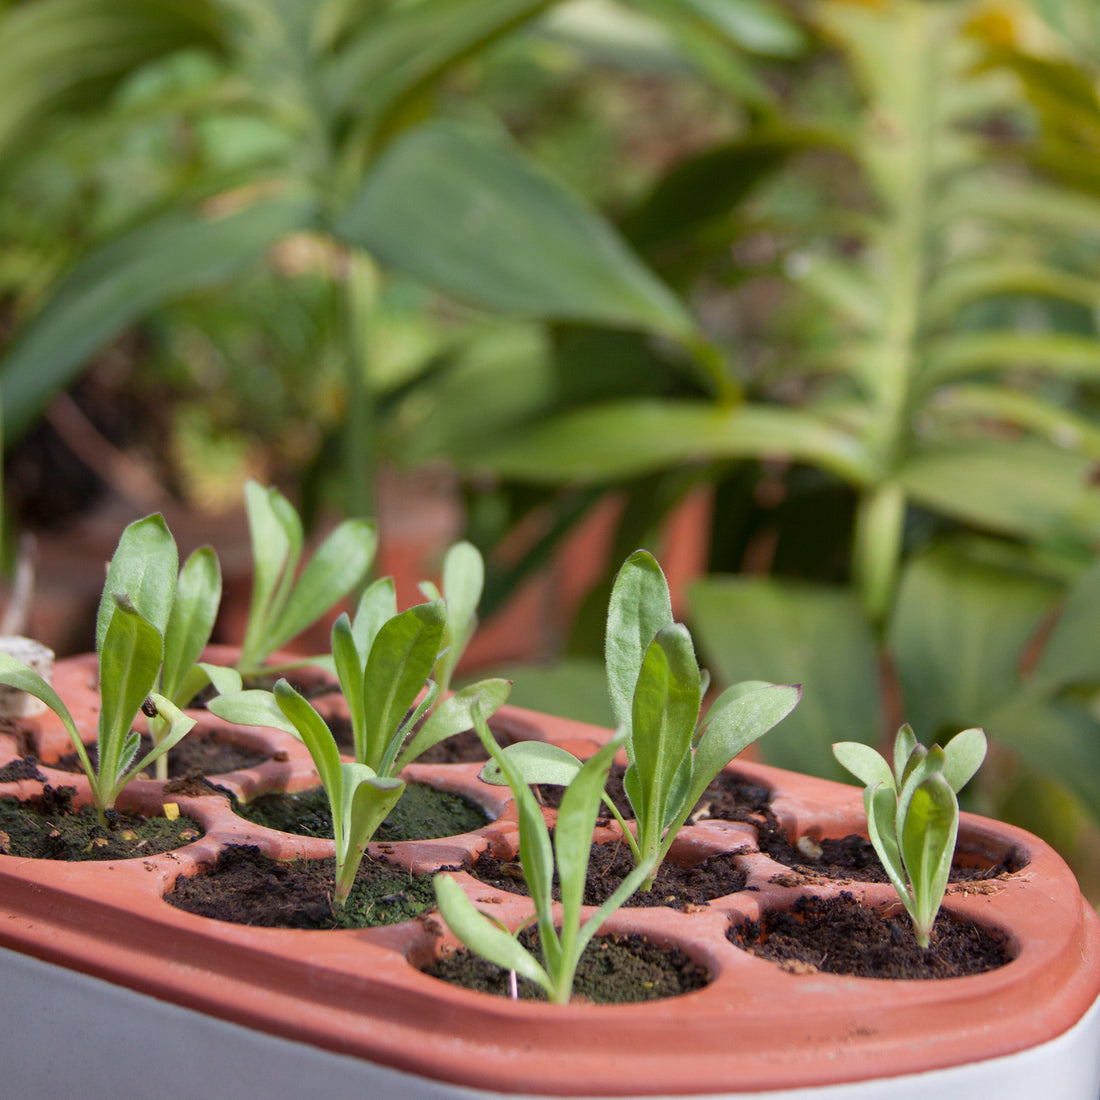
(423, 813)
(838, 935)
(197, 754)
(730, 797)
(676, 886)
(47, 827)
(247, 887)
(612, 970)
(854, 858)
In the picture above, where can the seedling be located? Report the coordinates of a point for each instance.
(913, 814)
(359, 798)
(383, 660)
(563, 942)
(135, 613)
(463, 580)
(656, 691)
(284, 603)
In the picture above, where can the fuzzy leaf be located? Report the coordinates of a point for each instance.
(198, 594)
(401, 660)
(252, 708)
(483, 936)
(963, 756)
(928, 828)
(536, 762)
(640, 606)
(864, 763)
(453, 716)
(143, 569)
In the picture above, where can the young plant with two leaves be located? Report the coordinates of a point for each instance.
(913, 814)
(562, 941)
(383, 661)
(150, 630)
(284, 602)
(656, 690)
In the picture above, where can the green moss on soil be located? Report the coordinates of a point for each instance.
(423, 813)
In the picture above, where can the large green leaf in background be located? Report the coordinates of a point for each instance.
(630, 438)
(1017, 487)
(59, 54)
(471, 216)
(115, 285)
(755, 629)
(400, 51)
(959, 629)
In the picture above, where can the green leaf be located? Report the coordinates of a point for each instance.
(640, 606)
(580, 806)
(463, 581)
(194, 609)
(178, 724)
(129, 663)
(881, 805)
(535, 850)
(485, 937)
(143, 569)
(633, 437)
(317, 737)
(963, 756)
(1071, 654)
(119, 283)
(338, 565)
(752, 24)
(454, 715)
(905, 743)
(1019, 487)
(350, 666)
(1059, 739)
(929, 824)
(223, 680)
(377, 606)
(276, 537)
(472, 217)
(367, 801)
(739, 716)
(666, 709)
(252, 708)
(401, 660)
(401, 49)
(61, 55)
(864, 763)
(959, 629)
(535, 762)
(965, 353)
(22, 677)
(752, 629)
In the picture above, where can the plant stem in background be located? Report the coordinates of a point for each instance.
(357, 285)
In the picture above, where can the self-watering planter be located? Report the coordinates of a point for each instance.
(117, 992)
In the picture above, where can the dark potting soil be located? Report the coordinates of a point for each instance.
(730, 797)
(853, 857)
(676, 886)
(202, 754)
(838, 935)
(423, 813)
(612, 970)
(247, 887)
(25, 767)
(46, 827)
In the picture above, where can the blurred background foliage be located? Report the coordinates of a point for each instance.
(830, 266)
